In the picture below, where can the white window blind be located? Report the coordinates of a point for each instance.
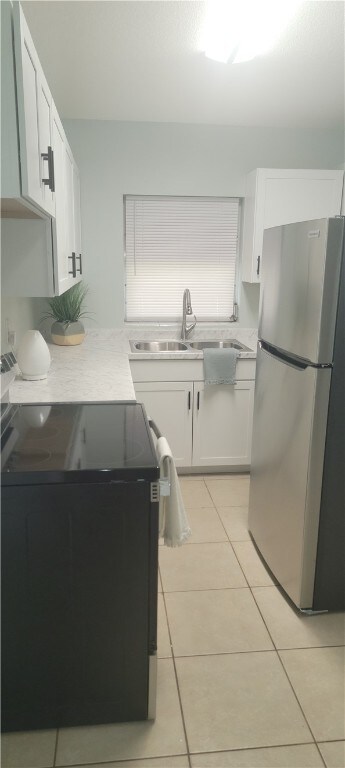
(173, 243)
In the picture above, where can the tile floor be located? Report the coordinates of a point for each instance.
(243, 680)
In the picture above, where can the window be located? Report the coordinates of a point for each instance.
(173, 243)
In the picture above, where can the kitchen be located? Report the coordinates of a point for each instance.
(149, 157)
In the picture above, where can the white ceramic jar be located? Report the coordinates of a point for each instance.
(33, 356)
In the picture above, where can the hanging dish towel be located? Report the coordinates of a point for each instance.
(173, 522)
(220, 366)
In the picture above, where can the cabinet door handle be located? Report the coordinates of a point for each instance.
(50, 181)
(80, 270)
(189, 399)
(258, 265)
(198, 401)
(73, 271)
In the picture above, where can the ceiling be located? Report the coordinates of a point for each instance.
(141, 60)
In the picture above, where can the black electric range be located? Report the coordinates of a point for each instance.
(79, 565)
(70, 442)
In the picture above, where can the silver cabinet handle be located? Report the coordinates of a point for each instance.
(80, 270)
(73, 271)
(50, 181)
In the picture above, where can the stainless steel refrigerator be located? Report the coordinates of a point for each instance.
(297, 490)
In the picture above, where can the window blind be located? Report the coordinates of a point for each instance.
(176, 243)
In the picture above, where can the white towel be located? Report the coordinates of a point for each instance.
(173, 522)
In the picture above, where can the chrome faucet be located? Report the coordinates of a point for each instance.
(187, 310)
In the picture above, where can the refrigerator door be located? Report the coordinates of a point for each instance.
(290, 418)
(300, 284)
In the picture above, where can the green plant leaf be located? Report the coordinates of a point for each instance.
(68, 307)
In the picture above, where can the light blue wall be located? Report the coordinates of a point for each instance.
(117, 158)
(17, 315)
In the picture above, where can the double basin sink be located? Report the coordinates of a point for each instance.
(188, 346)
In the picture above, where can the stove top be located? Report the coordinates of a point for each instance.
(60, 442)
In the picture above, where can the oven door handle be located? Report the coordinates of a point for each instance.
(153, 426)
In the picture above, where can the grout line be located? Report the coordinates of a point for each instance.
(328, 741)
(123, 760)
(56, 746)
(177, 683)
(286, 674)
(320, 753)
(233, 549)
(216, 589)
(253, 749)
(296, 697)
(221, 653)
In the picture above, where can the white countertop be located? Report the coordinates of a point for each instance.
(98, 370)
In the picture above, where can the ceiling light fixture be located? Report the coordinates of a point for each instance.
(240, 30)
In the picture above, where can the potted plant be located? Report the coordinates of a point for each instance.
(66, 311)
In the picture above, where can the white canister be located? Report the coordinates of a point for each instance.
(33, 356)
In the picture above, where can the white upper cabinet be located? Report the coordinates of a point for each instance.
(40, 188)
(34, 104)
(282, 196)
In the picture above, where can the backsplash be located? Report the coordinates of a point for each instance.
(18, 315)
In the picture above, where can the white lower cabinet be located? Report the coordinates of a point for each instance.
(169, 404)
(204, 427)
(222, 424)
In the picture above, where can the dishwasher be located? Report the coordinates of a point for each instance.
(79, 565)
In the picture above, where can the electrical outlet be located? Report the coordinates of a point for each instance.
(11, 334)
(11, 338)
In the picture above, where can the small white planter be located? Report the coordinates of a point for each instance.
(33, 356)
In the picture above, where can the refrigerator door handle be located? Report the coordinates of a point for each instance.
(284, 358)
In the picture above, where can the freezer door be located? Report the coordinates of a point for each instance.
(290, 417)
(300, 286)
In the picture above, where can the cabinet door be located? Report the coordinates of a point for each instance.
(170, 406)
(222, 425)
(76, 221)
(35, 119)
(78, 562)
(283, 196)
(66, 227)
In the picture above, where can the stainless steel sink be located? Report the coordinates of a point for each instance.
(158, 346)
(180, 346)
(232, 343)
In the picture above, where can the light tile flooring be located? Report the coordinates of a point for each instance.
(243, 679)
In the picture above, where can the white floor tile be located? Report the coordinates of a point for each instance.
(163, 639)
(235, 521)
(238, 700)
(31, 749)
(216, 621)
(291, 629)
(195, 493)
(177, 761)
(200, 566)
(205, 525)
(301, 756)
(317, 676)
(252, 566)
(333, 753)
(230, 492)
